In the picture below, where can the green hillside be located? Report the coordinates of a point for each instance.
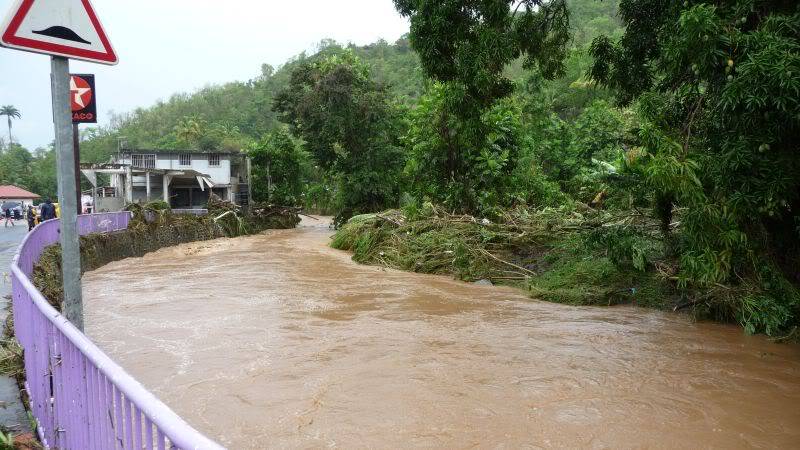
(233, 115)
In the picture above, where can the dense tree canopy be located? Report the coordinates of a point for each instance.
(279, 166)
(35, 172)
(472, 42)
(718, 88)
(467, 47)
(350, 125)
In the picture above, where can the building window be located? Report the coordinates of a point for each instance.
(185, 159)
(213, 159)
(143, 161)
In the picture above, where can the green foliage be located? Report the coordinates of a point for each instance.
(471, 42)
(503, 109)
(460, 166)
(6, 440)
(34, 172)
(625, 246)
(465, 144)
(278, 166)
(232, 115)
(719, 91)
(350, 126)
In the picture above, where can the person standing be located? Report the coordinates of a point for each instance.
(9, 217)
(48, 210)
(31, 216)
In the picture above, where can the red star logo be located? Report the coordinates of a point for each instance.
(80, 93)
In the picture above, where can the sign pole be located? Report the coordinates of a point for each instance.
(65, 162)
(76, 144)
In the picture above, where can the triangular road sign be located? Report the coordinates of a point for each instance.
(67, 28)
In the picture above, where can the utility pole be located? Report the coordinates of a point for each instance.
(67, 22)
(76, 144)
(65, 163)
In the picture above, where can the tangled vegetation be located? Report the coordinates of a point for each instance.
(11, 361)
(590, 257)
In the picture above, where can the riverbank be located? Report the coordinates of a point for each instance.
(562, 255)
(154, 227)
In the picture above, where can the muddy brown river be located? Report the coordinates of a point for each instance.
(277, 341)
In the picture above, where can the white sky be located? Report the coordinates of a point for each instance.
(171, 46)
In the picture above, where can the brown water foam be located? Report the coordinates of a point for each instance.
(277, 340)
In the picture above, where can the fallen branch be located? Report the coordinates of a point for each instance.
(533, 274)
(686, 305)
(398, 223)
(223, 215)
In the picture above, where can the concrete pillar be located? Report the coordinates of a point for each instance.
(147, 183)
(128, 184)
(165, 184)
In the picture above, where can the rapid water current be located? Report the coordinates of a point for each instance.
(278, 341)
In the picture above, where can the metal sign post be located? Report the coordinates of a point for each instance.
(63, 29)
(70, 241)
(76, 157)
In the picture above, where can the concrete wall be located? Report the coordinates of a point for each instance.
(109, 204)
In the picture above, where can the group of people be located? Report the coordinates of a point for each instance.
(47, 211)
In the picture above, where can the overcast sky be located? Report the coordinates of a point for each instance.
(171, 46)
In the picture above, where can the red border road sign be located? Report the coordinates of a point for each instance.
(70, 45)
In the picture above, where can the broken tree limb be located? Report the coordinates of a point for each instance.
(533, 274)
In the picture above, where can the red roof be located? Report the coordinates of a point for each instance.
(15, 192)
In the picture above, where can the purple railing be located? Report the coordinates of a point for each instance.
(80, 398)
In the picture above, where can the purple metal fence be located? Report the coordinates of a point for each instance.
(81, 399)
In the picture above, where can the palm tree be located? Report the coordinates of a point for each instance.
(12, 113)
(189, 130)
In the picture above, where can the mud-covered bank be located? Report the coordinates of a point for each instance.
(151, 230)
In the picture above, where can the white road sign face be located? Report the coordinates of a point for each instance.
(58, 27)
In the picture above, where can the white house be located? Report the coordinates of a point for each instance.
(183, 178)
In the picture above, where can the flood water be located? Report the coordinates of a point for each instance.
(278, 341)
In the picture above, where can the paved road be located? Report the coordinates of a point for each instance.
(12, 414)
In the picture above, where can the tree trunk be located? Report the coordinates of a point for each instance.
(664, 202)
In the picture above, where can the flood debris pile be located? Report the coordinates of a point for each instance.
(154, 226)
(11, 361)
(231, 220)
(577, 257)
